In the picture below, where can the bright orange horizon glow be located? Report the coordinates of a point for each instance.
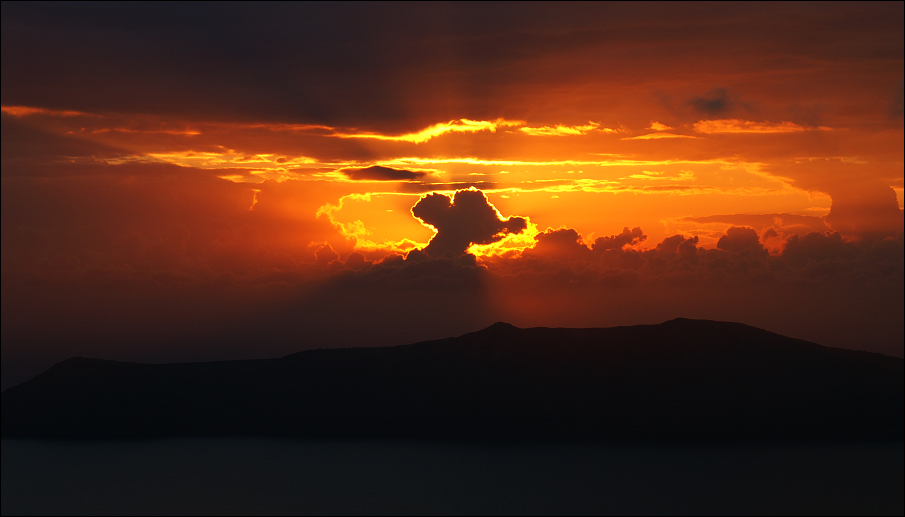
(652, 171)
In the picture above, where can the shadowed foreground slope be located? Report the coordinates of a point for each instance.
(680, 380)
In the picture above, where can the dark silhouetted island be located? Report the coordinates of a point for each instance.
(681, 380)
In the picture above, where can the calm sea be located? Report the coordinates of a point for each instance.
(260, 476)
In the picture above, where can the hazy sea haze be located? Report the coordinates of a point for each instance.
(269, 476)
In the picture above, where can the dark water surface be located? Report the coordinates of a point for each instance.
(261, 476)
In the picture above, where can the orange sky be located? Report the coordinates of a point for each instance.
(170, 171)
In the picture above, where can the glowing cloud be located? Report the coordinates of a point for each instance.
(656, 126)
(655, 175)
(354, 230)
(463, 125)
(747, 126)
(657, 136)
(23, 111)
(561, 130)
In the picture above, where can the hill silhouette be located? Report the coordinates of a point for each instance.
(680, 380)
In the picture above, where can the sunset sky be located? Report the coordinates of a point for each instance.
(220, 181)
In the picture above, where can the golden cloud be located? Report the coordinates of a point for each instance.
(560, 130)
(656, 126)
(747, 126)
(463, 125)
(657, 136)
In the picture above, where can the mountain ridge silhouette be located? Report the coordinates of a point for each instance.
(680, 380)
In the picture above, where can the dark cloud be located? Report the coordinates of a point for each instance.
(325, 254)
(417, 270)
(715, 102)
(719, 103)
(817, 247)
(380, 173)
(671, 244)
(740, 238)
(472, 60)
(866, 211)
(357, 261)
(626, 238)
(740, 258)
(562, 243)
(566, 244)
(468, 218)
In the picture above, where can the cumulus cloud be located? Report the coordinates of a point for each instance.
(866, 211)
(676, 242)
(817, 247)
(326, 254)
(561, 257)
(618, 241)
(357, 261)
(562, 243)
(380, 173)
(740, 238)
(465, 219)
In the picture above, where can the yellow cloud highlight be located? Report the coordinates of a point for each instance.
(657, 136)
(357, 231)
(654, 175)
(511, 244)
(746, 126)
(561, 130)
(254, 199)
(656, 126)
(463, 125)
(284, 127)
(354, 229)
(232, 160)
